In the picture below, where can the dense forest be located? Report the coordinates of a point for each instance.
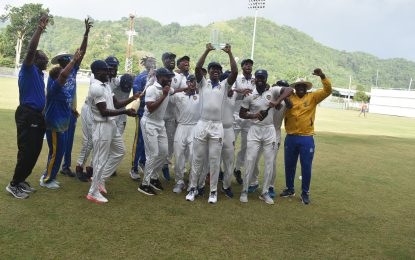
(285, 52)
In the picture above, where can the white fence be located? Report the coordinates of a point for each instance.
(393, 102)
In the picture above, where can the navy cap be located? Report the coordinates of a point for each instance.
(112, 61)
(283, 83)
(182, 59)
(99, 65)
(167, 55)
(164, 72)
(214, 64)
(191, 77)
(262, 73)
(246, 61)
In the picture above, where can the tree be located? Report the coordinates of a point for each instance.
(23, 23)
(361, 96)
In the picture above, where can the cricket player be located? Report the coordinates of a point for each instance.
(154, 130)
(108, 145)
(121, 92)
(208, 133)
(187, 106)
(244, 85)
(178, 82)
(57, 117)
(299, 125)
(258, 107)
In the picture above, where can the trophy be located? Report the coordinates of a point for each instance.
(217, 39)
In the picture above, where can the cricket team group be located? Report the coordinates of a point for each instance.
(181, 119)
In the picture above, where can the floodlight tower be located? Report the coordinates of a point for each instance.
(255, 4)
(131, 33)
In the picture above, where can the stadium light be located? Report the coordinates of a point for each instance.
(256, 5)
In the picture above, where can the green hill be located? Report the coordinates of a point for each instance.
(285, 52)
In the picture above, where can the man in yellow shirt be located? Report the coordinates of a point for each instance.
(299, 125)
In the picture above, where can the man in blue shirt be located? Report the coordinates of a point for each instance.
(57, 117)
(30, 122)
(70, 89)
(138, 158)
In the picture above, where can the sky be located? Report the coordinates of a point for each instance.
(384, 28)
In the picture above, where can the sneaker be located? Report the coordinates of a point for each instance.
(237, 174)
(53, 185)
(140, 168)
(97, 198)
(252, 188)
(265, 197)
(201, 191)
(17, 192)
(80, 174)
(244, 197)
(228, 192)
(191, 195)
(102, 189)
(68, 172)
(287, 193)
(305, 198)
(134, 175)
(156, 184)
(271, 192)
(147, 190)
(89, 171)
(25, 187)
(166, 172)
(213, 197)
(179, 187)
(220, 176)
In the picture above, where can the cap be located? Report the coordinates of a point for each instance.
(112, 61)
(191, 77)
(282, 83)
(262, 73)
(214, 64)
(186, 58)
(164, 72)
(60, 56)
(167, 55)
(99, 65)
(301, 81)
(246, 61)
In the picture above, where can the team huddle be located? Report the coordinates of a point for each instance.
(191, 121)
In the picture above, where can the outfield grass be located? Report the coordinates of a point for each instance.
(362, 204)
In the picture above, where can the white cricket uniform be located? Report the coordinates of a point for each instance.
(261, 135)
(120, 120)
(87, 123)
(108, 145)
(154, 133)
(228, 148)
(241, 126)
(188, 113)
(208, 133)
(170, 117)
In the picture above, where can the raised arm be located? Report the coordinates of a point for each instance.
(234, 67)
(34, 42)
(321, 94)
(84, 44)
(201, 61)
(67, 70)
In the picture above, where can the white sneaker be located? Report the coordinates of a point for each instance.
(97, 198)
(134, 175)
(244, 197)
(265, 197)
(50, 185)
(179, 187)
(140, 169)
(191, 195)
(101, 188)
(213, 197)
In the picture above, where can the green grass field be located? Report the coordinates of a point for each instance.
(362, 204)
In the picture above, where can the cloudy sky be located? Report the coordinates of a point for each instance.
(385, 28)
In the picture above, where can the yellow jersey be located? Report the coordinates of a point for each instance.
(299, 120)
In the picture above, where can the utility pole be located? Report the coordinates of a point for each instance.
(255, 4)
(350, 89)
(131, 33)
(410, 84)
(377, 77)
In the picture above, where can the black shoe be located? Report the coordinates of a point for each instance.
(228, 192)
(147, 190)
(221, 176)
(200, 191)
(156, 184)
(238, 177)
(287, 193)
(68, 172)
(89, 171)
(114, 174)
(305, 198)
(82, 176)
(25, 187)
(17, 192)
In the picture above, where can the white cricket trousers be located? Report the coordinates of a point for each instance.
(240, 158)
(171, 126)
(260, 137)
(228, 151)
(208, 138)
(254, 179)
(155, 146)
(108, 151)
(183, 145)
(87, 124)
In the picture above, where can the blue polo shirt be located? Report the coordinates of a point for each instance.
(58, 107)
(70, 85)
(139, 84)
(31, 87)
